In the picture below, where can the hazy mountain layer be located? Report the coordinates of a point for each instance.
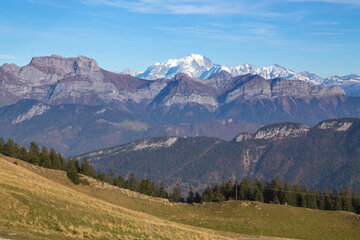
(324, 155)
(75, 106)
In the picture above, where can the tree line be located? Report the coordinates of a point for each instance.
(274, 191)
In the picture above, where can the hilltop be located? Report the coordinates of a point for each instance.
(326, 155)
(39, 203)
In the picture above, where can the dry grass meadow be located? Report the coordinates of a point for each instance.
(38, 203)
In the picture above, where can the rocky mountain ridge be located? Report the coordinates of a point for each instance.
(198, 66)
(56, 80)
(118, 108)
(323, 155)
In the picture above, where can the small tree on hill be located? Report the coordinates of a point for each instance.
(120, 182)
(72, 172)
(45, 158)
(34, 154)
(162, 191)
(9, 148)
(110, 177)
(176, 194)
(191, 196)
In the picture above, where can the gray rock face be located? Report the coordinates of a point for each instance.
(255, 87)
(283, 130)
(180, 106)
(56, 79)
(336, 125)
(276, 131)
(243, 137)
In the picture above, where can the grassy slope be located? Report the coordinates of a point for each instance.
(103, 211)
(34, 207)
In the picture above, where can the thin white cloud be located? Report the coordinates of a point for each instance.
(325, 23)
(356, 2)
(245, 32)
(327, 33)
(209, 7)
(6, 57)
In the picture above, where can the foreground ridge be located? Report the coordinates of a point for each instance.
(133, 217)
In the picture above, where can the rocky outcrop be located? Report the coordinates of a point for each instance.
(315, 156)
(336, 125)
(243, 137)
(276, 131)
(180, 106)
(282, 130)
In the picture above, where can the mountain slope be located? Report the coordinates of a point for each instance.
(198, 66)
(75, 106)
(322, 156)
(39, 203)
(34, 207)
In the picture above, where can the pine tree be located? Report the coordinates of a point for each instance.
(336, 200)
(258, 195)
(110, 177)
(191, 196)
(244, 189)
(86, 169)
(216, 194)
(23, 154)
(197, 198)
(9, 148)
(147, 187)
(101, 176)
(132, 183)
(45, 158)
(227, 190)
(289, 197)
(62, 162)
(162, 191)
(120, 182)
(2, 143)
(346, 200)
(206, 196)
(311, 201)
(176, 194)
(34, 154)
(327, 199)
(72, 172)
(276, 191)
(55, 159)
(356, 201)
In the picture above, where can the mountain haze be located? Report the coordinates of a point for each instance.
(75, 106)
(326, 155)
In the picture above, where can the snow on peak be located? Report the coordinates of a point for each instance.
(194, 65)
(35, 110)
(198, 66)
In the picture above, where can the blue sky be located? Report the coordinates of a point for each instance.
(319, 36)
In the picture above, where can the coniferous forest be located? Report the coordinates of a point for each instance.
(275, 191)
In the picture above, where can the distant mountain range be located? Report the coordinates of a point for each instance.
(198, 66)
(326, 155)
(75, 106)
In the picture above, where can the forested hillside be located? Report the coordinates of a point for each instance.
(326, 155)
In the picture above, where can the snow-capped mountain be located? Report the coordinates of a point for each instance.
(350, 83)
(348, 79)
(193, 65)
(87, 107)
(198, 66)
